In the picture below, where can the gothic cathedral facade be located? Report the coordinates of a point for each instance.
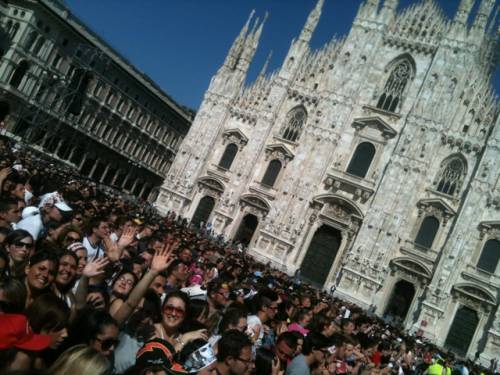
(370, 165)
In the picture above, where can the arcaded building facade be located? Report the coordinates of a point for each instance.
(370, 165)
(68, 94)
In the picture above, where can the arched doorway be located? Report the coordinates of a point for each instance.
(246, 229)
(462, 331)
(203, 211)
(400, 301)
(320, 255)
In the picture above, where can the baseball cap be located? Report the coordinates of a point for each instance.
(15, 332)
(158, 353)
(54, 199)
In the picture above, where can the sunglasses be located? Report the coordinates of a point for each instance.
(72, 239)
(107, 344)
(168, 309)
(23, 244)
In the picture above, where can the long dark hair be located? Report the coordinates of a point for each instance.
(48, 312)
(264, 361)
(88, 324)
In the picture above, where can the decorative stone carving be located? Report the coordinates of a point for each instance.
(235, 136)
(436, 207)
(280, 152)
(444, 111)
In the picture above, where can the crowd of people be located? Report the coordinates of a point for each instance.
(92, 283)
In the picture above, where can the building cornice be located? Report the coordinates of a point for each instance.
(65, 15)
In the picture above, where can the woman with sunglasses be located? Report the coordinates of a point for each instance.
(174, 313)
(69, 235)
(19, 245)
(97, 329)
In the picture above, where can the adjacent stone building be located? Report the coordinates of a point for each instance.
(67, 93)
(370, 164)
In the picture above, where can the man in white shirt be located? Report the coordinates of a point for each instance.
(256, 323)
(52, 207)
(98, 230)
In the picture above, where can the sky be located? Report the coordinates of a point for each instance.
(180, 44)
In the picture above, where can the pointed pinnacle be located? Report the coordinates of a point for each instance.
(266, 64)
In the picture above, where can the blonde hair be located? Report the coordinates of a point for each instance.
(80, 360)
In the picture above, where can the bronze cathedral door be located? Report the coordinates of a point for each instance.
(320, 255)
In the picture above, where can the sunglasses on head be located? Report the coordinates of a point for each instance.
(107, 344)
(25, 244)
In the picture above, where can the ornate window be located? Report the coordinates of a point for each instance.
(451, 176)
(394, 88)
(228, 156)
(427, 232)
(38, 46)
(295, 120)
(14, 30)
(30, 40)
(488, 261)
(78, 88)
(272, 172)
(361, 160)
(19, 74)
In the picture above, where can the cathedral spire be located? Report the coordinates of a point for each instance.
(266, 65)
(483, 13)
(237, 48)
(493, 21)
(389, 10)
(312, 22)
(368, 9)
(251, 44)
(462, 15)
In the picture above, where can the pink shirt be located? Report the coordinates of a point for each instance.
(296, 327)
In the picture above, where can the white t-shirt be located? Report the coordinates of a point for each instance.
(93, 252)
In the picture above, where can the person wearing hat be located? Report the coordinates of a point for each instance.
(18, 342)
(52, 208)
(155, 356)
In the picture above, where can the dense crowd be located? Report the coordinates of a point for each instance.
(95, 283)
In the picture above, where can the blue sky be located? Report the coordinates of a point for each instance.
(181, 43)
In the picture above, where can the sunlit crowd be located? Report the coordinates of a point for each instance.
(93, 282)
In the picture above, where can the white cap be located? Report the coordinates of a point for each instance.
(54, 199)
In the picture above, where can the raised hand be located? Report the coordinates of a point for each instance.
(127, 237)
(113, 251)
(163, 257)
(95, 267)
